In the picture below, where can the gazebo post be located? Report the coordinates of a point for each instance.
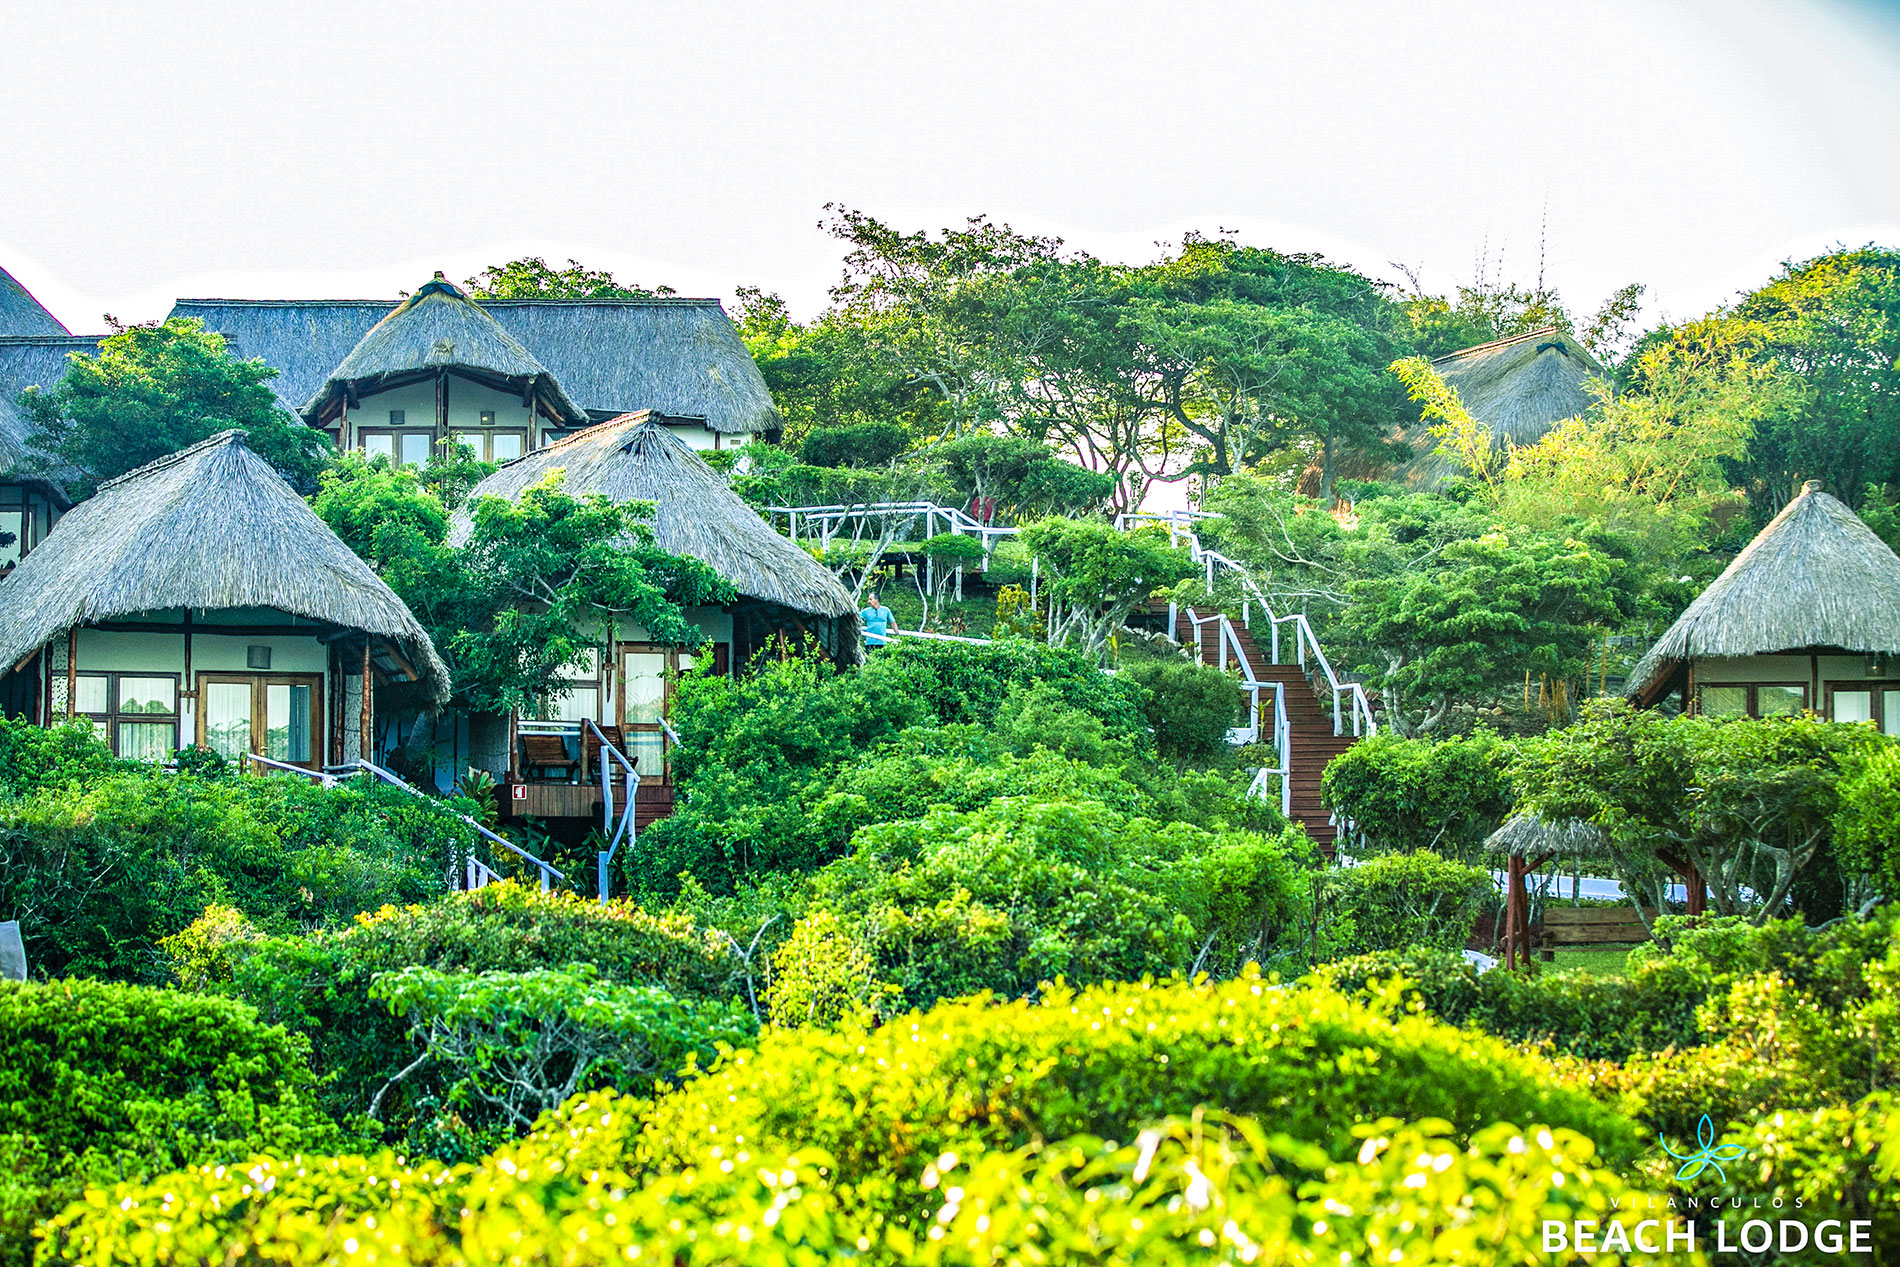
(1513, 893)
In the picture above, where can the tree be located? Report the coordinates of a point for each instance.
(1485, 612)
(1746, 802)
(1834, 322)
(532, 277)
(154, 389)
(1095, 576)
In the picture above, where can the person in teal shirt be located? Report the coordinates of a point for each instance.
(878, 623)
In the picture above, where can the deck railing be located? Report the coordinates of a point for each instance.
(611, 757)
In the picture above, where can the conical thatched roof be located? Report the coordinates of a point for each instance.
(1518, 387)
(440, 328)
(1532, 836)
(695, 511)
(209, 527)
(20, 313)
(1815, 577)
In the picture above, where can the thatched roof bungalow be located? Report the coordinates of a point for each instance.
(1519, 387)
(439, 368)
(783, 591)
(21, 313)
(681, 359)
(199, 599)
(1807, 617)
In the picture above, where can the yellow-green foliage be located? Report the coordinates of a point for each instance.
(822, 975)
(201, 955)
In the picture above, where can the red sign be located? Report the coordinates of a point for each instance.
(521, 791)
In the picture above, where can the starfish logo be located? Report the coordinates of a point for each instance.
(1706, 1156)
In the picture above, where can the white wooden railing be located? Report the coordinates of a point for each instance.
(624, 828)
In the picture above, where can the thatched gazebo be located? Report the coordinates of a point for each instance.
(1807, 617)
(1518, 387)
(436, 368)
(199, 599)
(1527, 842)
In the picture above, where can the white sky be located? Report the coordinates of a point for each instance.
(348, 149)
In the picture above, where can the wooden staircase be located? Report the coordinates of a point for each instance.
(1311, 741)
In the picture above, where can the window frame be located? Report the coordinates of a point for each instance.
(364, 433)
(669, 678)
(260, 720)
(1876, 689)
(113, 716)
(486, 451)
(1753, 708)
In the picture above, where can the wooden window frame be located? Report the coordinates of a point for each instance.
(364, 433)
(1876, 687)
(1753, 688)
(669, 677)
(111, 718)
(486, 452)
(260, 708)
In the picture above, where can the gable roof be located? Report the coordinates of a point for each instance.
(680, 357)
(1814, 577)
(31, 361)
(695, 512)
(20, 313)
(440, 328)
(1519, 387)
(211, 526)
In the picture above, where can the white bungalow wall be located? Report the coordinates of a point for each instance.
(466, 400)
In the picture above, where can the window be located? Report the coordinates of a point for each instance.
(1752, 699)
(493, 446)
(402, 448)
(135, 713)
(643, 695)
(12, 524)
(275, 716)
(581, 700)
(1876, 702)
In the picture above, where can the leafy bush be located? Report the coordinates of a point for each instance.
(34, 757)
(104, 1082)
(1864, 835)
(1022, 892)
(204, 955)
(1185, 1191)
(758, 753)
(1190, 707)
(321, 984)
(99, 872)
(1399, 901)
(822, 975)
(1409, 794)
(509, 1046)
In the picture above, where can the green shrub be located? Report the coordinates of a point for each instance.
(1190, 707)
(34, 757)
(205, 954)
(1021, 892)
(509, 1046)
(1400, 901)
(822, 975)
(855, 444)
(1222, 1189)
(320, 984)
(1407, 794)
(102, 1082)
(99, 872)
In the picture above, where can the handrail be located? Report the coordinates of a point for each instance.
(547, 868)
(324, 778)
(955, 518)
(894, 632)
(674, 735)
(603, 859)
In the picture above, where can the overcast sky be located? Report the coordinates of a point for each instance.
(347, 149)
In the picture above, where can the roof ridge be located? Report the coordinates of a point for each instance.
(637, 417)
(1504, 342)
(48, 340)
(227, 436)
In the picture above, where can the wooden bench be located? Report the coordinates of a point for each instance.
(544, 754)
(590, 746)
(1593, 925)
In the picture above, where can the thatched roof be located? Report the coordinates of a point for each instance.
(1532, 836)
(209, 527)
(695, 511)
(1815, 577)
(680, 357)
(20, 313)
(31, 361)
(1518, 387)
(440, 328)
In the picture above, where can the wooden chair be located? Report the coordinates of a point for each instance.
(590, 748)
(544, 755)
